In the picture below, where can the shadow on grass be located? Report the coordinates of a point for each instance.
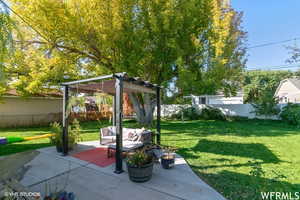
(241, 186)
(20, 147)
(237, 128)
(254, 151)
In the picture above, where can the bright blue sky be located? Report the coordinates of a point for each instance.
(269, 21)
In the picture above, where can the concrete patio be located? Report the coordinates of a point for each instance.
(49, 170)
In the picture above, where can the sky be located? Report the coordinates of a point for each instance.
(269, 21)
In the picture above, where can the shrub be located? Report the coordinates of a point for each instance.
(189, 113)
(56, 129)
(210, 113)
(207, 113)
(266, 105)
(139, 159)
(74, 131)
(291, 114)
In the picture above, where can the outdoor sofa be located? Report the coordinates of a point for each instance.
(108, 135)
(132, 138)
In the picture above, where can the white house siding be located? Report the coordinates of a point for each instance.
(225, 100)
(288, 92)
(16, 111)
(216, 99)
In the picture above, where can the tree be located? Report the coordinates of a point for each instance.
(266, 104)
(294, 52)
(159, 41)
(259, 84)
(216, 61)
(259, 89)
(6, 26)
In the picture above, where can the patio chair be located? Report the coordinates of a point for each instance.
(107, 135)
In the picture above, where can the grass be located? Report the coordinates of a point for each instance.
(90, 131)
(240, 159)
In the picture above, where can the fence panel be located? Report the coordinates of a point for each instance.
(242, 110)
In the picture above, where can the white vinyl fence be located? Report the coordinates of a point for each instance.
(242, 110)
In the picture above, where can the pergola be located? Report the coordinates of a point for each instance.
(113, 84)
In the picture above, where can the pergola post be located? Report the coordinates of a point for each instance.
(118, 107)
(158, 115)
(65, 120)
(114, 111)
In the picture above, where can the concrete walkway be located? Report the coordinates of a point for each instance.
(50, 171)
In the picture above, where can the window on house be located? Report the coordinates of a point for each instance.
(202, 100)
(193, 101)
(286, 99)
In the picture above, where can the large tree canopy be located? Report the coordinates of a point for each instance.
(196, 44)
(6, 26)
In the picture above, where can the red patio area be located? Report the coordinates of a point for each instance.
(97, 156)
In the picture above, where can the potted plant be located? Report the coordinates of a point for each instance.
(168, 158)
(61, 195)
(73, 135)
(140, 166)
(56, 138)
(54, 190)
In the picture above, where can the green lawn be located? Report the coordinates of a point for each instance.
(90, 131)
(224, 153)
(239, 159)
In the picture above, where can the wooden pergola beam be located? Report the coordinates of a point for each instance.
(108, 86)
(131, 87)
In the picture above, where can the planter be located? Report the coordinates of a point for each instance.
(59, 148)
(168, 161)
(140, 174)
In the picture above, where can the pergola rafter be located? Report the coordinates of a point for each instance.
(116, 85)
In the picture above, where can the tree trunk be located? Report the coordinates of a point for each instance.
(143, 107)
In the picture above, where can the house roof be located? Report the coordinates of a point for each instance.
(50, 94)
(295, 81)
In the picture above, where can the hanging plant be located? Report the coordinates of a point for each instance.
(103, 99)
(75, 101)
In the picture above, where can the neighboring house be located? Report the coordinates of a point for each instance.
(219, 98)
(288, 90)
(40, 109)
